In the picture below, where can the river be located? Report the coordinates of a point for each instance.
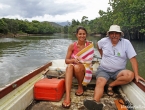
(19, 56)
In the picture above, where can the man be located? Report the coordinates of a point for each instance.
(114, 51)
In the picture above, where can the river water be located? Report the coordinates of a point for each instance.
(19, 56)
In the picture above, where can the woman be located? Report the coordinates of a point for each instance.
(79, 57)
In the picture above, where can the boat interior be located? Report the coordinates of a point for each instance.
(114, 102)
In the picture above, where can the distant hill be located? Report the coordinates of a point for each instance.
(59, 24)
(56, 24)
(63, 23)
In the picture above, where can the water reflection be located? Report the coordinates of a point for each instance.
(139, 47)
(19, 56)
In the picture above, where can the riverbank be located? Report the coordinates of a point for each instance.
(11, 35)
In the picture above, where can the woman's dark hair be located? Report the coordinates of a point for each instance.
(81, 27)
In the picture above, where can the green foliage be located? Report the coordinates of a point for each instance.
(129, 14)
(3, 27)
(142, 31)
(35, 27)
(66, 29)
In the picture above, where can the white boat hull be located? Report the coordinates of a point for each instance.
(21, 96)
(135, 95)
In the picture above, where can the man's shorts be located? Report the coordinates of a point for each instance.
(107, 75)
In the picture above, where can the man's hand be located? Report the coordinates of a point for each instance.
(137, 78)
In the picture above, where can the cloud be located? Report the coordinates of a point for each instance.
(50, 10)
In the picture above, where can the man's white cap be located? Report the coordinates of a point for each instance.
(115, 28)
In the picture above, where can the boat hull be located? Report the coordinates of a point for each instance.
(135, 94)
(19, 94)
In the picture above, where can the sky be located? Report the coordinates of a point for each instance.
(52, 10)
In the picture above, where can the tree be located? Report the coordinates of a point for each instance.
(3, 27)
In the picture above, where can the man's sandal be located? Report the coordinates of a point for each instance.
(93, 105)
(110, 91)
(66, 104)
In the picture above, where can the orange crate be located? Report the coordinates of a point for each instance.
(49, 89)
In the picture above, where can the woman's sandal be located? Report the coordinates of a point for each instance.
(79, 93)
(66, 104)
(110, 91)
(93, 105)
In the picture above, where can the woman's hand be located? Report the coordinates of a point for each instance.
(76, 61)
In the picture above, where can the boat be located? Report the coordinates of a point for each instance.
(18, 95)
